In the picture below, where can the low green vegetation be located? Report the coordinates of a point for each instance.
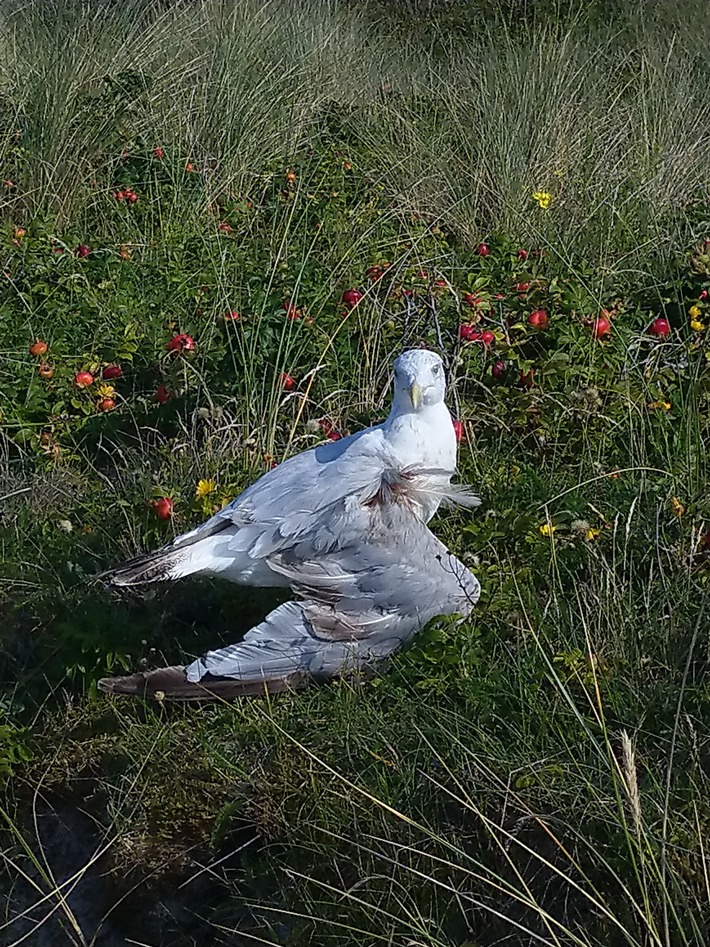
(220, 224)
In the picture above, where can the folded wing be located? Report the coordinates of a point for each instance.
(368, 574)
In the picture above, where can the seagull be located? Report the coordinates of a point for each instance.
(343, 525)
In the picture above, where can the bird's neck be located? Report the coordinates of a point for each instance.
(405, 427)
(403, 412)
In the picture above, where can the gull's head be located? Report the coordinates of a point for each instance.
(419, 379)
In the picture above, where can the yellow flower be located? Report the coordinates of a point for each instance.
(205, 487)
(695, 312)
(105, 391)
(544, 198)
(660, 404)
(696, 325)
(546, 529)
(591, 534)
(678, 507)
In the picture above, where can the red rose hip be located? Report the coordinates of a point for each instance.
(181, 343)
(539, 319)
(469, 333)
(291, 312)
(38, 347)
(83, 379)
(351, 297)
(163, 508)
(601, 327)
(660, 327)
(526, 379)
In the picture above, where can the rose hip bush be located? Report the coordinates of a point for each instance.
(138, 334)
(147, 324)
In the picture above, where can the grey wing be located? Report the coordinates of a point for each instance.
(276, 515)
(383, 577)
(383, 558)
(285, 501)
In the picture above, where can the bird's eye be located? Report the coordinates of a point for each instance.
(437, 369)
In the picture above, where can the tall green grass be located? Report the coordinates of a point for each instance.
(609, 116)
(539, 776)
(549, 787)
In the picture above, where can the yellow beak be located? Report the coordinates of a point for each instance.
(415, 394)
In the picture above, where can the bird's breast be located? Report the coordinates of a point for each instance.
(424, 442)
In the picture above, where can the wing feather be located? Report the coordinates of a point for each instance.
(383, 577)
(368, 574)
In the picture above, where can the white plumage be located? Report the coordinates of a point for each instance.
(343, 525)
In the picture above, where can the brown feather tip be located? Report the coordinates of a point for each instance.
(171, 684)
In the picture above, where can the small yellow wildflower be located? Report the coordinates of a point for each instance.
(591, 534)
(547, 530)
(696, 325)
(544, 198)
(205, 487)
(105, 391)
(695, 312)
(678, 507)
(660, 404)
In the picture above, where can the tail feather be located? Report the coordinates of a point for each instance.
(171, 684)
(156, 566)
(185, 555)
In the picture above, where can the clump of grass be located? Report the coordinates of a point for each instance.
(584, 113)
(607, 117)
